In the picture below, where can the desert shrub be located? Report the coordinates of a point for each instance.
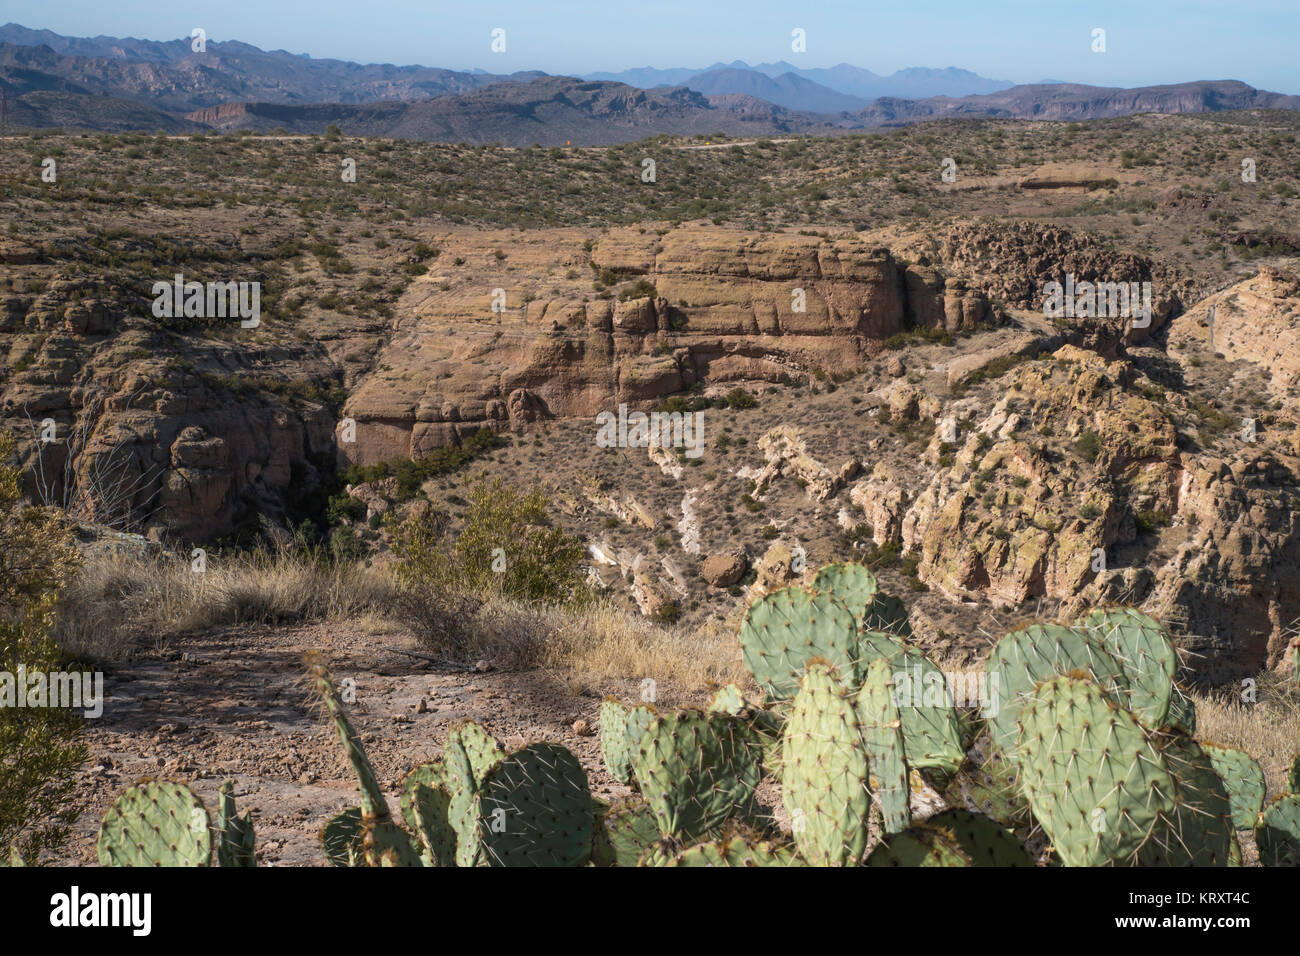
(40, 747)
(505, 546)
(739, 398)
(1088, 446)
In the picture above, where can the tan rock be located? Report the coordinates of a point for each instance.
(724, 569)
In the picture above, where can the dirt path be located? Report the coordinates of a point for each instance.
(232, 704)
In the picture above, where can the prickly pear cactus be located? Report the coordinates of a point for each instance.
(1293, 776)
(387, 844)
(983, 841)
(738, 851)
(1146, 654)
(728, 700)
(343, 839)
(931, 730)
(851, 583)
(1181, 716)
(824, 772)
(426, 804)
(620, 732)
(535, 809)
(882, 738)
(696, 770)
(1198, 832)
(921, 845)
(628, 829)
(1278, 833)
(373, 804)
(767, 725)
(786, 629)
(470, 753)
(1023, 659)
(1095, 783)
(1244, 779)
(236, 840)
(990, 786)
(155, 823)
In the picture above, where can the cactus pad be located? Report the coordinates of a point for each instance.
(1095, 783)
(1244, 779)
(155, 823)
(535, 809)
(1023, 659)
(882, 737)
(236, 839)
(696, 770)
(1146, 654)
(851, 583)
(919, 846)
(824, 772)
(343, 839)
(786, 629)
(1278, 833)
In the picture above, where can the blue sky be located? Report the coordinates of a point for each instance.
(1148, 41)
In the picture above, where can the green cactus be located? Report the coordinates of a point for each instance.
(991, 788)
(1181, 716)
(343, 839)
(921, 845)
(1198, 831)
(534, 809)
(373, 805)
(984, 842)
(1095, 783)
(470, 753)
(931, 729)
(786, 629)
(426, 807)
(1023, 659)
(1244, 779)
(767, 725)
(625, 831)
(236, 840)
(387, 844)
(824, 772)
(429, 774)
(620, 732)
(737, 851)
(882, 738)
(1293, 776)
(1145, 653)
(697, 770)
(155, 823)
(851, 583)
(1278, 832)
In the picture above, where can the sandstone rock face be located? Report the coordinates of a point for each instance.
(1007, 522)
(728, 307)
(1258, 321)
(786, 454)
(724, 570)
(883, 500)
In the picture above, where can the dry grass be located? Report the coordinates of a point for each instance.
(1268, 730)
(120, 601)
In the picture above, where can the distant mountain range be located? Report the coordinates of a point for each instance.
(846, 80)
(111, 83)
